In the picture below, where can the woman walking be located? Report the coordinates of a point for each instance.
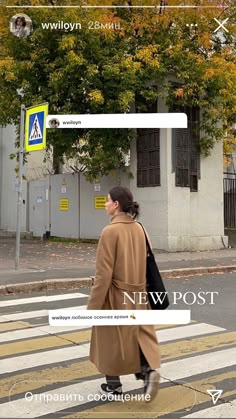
(121, 267)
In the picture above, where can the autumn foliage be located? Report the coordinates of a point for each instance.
(172, 53)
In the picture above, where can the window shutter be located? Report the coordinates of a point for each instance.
(186, 152)
(182, 174)
(148, 157)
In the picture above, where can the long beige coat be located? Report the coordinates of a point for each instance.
(121, 266)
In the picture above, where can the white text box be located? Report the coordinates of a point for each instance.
(134, 120)
(117, 317)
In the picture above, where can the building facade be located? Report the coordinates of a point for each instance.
(180, 192)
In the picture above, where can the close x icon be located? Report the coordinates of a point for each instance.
(221, 25)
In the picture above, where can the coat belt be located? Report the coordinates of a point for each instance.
(126, 286)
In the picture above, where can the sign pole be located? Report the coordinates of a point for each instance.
(32, 138)
(19, 200)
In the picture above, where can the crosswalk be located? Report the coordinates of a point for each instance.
(45, 371)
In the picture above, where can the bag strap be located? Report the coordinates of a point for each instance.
(147, 242)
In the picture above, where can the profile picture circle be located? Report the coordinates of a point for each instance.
(54, 123)
(21, 25)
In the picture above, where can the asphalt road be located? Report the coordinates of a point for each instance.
(37, 358)
(218, 307)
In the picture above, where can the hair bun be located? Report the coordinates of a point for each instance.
(135, 209)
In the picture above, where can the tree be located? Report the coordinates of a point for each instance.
(108, 70)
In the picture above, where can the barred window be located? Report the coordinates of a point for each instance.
(148, 157)
(148, 148)
(186, 151)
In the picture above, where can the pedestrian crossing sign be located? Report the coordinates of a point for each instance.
(35, 127)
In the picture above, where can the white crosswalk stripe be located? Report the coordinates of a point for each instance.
(44, 299)
(163, 335)
(33, 332)
(31, 314)
(225, 410)
(28, 362)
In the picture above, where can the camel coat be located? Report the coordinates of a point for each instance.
(121, 266)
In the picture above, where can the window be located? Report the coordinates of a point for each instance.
(186, 151)
(148, 157)
(148, 148)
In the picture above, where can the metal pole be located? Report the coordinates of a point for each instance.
(19, 201)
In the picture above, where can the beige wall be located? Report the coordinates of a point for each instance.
(8, 194)
(176, 218)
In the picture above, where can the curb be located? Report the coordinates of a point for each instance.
(173, 273)
(76, 283)
(45, 285)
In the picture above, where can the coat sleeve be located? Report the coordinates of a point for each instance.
(105, 259)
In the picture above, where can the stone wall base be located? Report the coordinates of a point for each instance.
(191, 244)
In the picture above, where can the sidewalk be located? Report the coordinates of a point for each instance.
(43, 262)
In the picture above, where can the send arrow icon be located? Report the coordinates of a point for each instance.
(215, 394)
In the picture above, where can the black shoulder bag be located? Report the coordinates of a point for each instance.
(158, 298)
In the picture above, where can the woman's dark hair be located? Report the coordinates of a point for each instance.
(125, 199)
(22, 18)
